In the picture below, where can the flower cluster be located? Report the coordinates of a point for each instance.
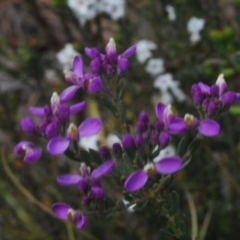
(108, 63)
(136, 160)
(212, 100)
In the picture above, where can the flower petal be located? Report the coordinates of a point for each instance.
(77, 107)
(78, 66)
(208, 128)
(159, 110)
(129, 52)
(95, 85)
(81, 223)
(168, 165)
(176, 126)
(37, 111)
(89, 127)
(136, 180)
(60, 210)
(57, 145)
(32, 156)
(68, 179)
(103, 169)
(68, 93)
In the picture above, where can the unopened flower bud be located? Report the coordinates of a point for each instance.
(128, 141)
(164, 139)
(138, 141)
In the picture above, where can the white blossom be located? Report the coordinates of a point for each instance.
(144, 48)
(84, 10)
(194, 26)
(89, 142)
(164, 83)
(114, 8)
(155, 66)
(66, 55)
(171, 12)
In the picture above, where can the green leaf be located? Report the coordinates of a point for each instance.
(72, 156)
(194, 145)
(107, 102)
(182, 147)
(96, 156)
(86, 157)
(174, 201)
(186, 162)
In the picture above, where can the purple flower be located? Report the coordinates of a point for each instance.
(111, 60)
(128, 141)
(206, 127)
(66, 212)
(88, 81)
(59, 145)
(138, 179)
(27, 151)
(88, 182)
(172, 123)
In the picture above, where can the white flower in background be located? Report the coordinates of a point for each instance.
(194, 26)
(66, 56)
(164, 83)
(166, 152)
(111, 139)
(115, 8)
(179, 94)
(171, 12)
(84, 9)
(89, 142)
(144, 48)
(155, 66)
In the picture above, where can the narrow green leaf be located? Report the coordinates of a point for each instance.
(186, 162)
(107, 102)
(96, 156)
(194, 145)
(182, 147)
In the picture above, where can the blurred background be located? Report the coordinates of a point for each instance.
(179, 42)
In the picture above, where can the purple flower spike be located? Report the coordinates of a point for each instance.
(89, 127)
(136, 180)
(168, 165)
(208, 128)
(57, 145)
(37, 111)
(68, 179)
(103, 169)
(68, 93)
(61, 210)
(28, 125)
